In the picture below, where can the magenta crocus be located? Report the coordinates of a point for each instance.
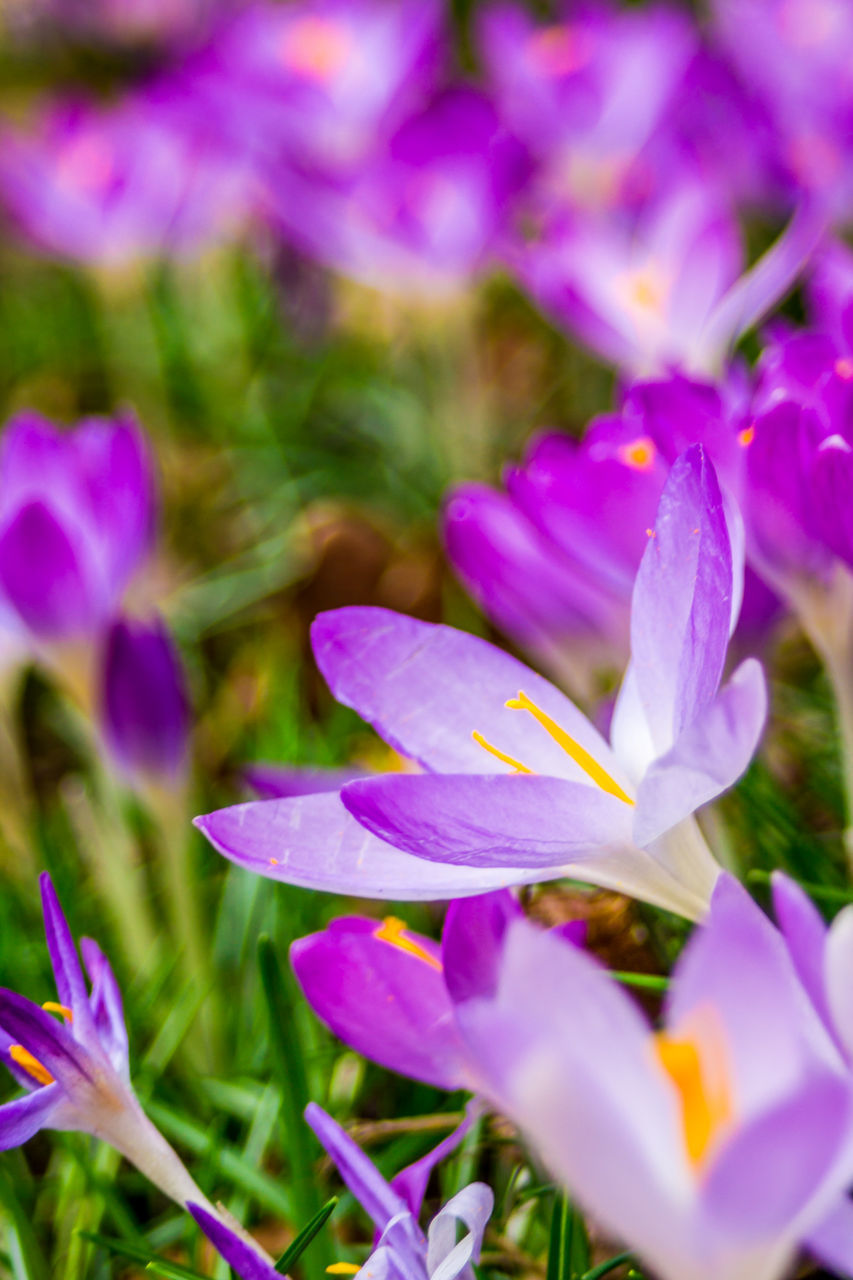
(70, 1055)
(713, 1147)
(144, 705)
(110, 185)
(77, 520)
(402, 1250)
(517, 785)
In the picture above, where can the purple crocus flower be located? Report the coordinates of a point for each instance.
(713, 1147)
(144, 704)
(402, 1251)
(664, 287)
(77, 518)
(75, 1071)
(538, 793)
(125, 22)
(112, 184)
(423, 211)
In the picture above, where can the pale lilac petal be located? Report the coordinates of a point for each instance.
(313, 841)
(771, 1169)
(838, 976)
(374, 1194)
(630, 735)
(492, 820)
(708, 757)
(411, 1183)
(472, 1207)
(278, 782)
(70, 983)
(245, 1260)
(682, 600)
(832, 1241)
(107, 1006)
(389, 1004)
(20, 1119)
(739, 965)
(438, 686)
(805, 935)
(42, 575)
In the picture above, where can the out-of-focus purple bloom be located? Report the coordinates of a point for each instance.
(275, 781)
(508, 800)
(663, 288)
(423, 212)
(713, 1147)
(402, 1251)
(75, 1071)
(830, 290)
(77, 519)
(796, 55)
(144, 705)
(555, 557)
(316, 81)
(124, 22)
(111, 184)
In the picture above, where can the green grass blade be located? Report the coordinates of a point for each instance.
(604, 1268)
(568, 1250)
(297, 1247)
(135, 1253)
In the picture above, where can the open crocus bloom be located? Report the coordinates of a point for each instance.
(402, 1252)
(70, 1055)
(77, 519)
(712, 1147)
(518, 786)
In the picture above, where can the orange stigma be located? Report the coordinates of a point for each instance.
(746, 436)
(316, 48)
(697, 1067)
(638, 454)
(31, 1065)
(579, 754)
(557, 50)
(393, 931)
(844, 367)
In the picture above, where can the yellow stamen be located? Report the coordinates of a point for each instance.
(638, 454)
(393, 931)
(746, 437)
(581, 757)
(343, 1269)
(705, 1104)
(50, 1006)
(844, 367)
(25, 1059)
(499, 755)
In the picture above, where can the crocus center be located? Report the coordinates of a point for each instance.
(595, 771)
(638, 454)
(395, 933)
(558, 50)
(316, 48)
(28, 1061)
(697, 1067)
(844, 367)
(646, 290)
(746, 436)
(86, 164)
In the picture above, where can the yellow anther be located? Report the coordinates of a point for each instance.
(499, 755)
(638, 454)
(746, 436)
(844, 367)
(393, 931)
(31, 1065)
(50, 1006)
(581, 757)
(343, 1269)
(706, 1103)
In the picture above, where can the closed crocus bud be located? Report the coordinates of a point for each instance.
(145, 709)
(76, 519)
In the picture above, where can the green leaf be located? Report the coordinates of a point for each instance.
(604, 1268)
(162, 1266)
(298, 1246)
(643, 981)
(568, 1250)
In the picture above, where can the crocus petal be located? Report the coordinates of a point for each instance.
(411, 1183)
(438, 686)
(42, 577)
(832, 1241)
(708, 757)
(374, 1194)
(312, 841)
(387, 1001)
(739, 964)
(805, 935)
(492, 820)
(70, 983)
(245, 1260)
(682, 600)
(472, 943)
(772, 1168)
(107, 1006)
(20, 1119)
(46, 1039)
(832, 481)
(278, 782)
(472, 1206)
(838, 967)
